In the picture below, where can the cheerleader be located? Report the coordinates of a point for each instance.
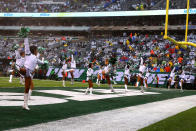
(99, 75)
(73, 67)
(113, 74)
(146, 78)
(140, 78)
(12, 71)
(106, 73)
(89, 74)
(64, 71)
(171, 78)
(182, 80)
(30, 63)
(126, 76)
(20, 59)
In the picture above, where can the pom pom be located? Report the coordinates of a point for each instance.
(23, 33)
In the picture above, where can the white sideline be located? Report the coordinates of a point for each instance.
(124, 119)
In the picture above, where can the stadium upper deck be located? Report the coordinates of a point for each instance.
(88, 5)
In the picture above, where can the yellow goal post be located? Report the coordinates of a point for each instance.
(179, 43)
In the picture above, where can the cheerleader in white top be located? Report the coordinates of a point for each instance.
(17, 65)
(140, 78)
(99, 75)
(11, 71)
(73, 67)
(106, 73)
(182, 80)
(126, 76)
(171, 78)
(30, 63)
(20, 59)
(89, 75)
(146, 78)
(64, 71)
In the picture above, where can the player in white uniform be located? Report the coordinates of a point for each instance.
(140, 78)
(89, 75)
(30, 63)
(171, 78)
(73, 67)
(126, 76)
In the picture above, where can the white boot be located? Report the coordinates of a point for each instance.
(99, 83)
(181, 90)
(137, 84)
(126, 88)
(72, 80)
(91, 91)
(111, 87)
(21, 81)
(142, 89)
(26, 102)
(11, 76)
(63, 83)
(145, 85)
(86, 92)
(30, 92)
(168, 87)
(115, 83)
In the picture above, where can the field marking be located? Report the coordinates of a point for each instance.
(80, 96)
(124, 119)
(16, 99)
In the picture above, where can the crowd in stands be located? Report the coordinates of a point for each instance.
(85, 6)
(161, 55)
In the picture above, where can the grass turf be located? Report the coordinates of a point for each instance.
(184, 121)
(14, 117)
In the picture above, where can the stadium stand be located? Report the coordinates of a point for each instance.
(87, 5)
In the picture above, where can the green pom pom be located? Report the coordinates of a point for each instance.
(113, 60)
(15, 47)
(23, 33)
(41, 49)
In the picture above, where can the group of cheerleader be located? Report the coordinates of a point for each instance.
(142, 77)
(27, 60)
(69, 66)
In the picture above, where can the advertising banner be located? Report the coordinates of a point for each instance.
(80, 74)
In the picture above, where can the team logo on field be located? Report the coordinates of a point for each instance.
(16, 99)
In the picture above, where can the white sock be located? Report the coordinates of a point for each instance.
(111, 87)
(26, 101)
(125, 87)
(91, 91)
(142, 89)
(86, 92)
(11, 76)
(137, 84)
(63, 83)
(97, 80)
(21, 80)
(30, 92)
(145, 85)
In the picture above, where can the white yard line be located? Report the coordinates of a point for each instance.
(124, 119)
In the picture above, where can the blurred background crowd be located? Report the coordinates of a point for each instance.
(87, 5)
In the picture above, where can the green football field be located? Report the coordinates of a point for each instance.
(14, 117)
